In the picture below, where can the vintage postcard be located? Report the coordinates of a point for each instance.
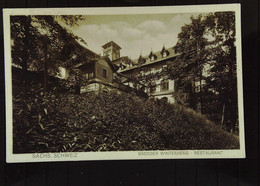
(123, 83)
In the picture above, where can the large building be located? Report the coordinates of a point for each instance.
(97, 73)
(102, 72)
(145, 66)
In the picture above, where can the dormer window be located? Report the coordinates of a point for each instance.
(141, 60)
(91, 75)
(164, 54)
(152, 56)
(122, 66)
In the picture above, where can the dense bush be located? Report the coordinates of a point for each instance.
(62, 121)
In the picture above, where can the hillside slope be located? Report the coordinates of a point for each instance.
(60, 121)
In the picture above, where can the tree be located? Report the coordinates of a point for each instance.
(40, 43)
(188, 67)
(24, 36)
(223, 67)
(207, 54)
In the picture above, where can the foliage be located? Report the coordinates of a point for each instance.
(60, 121)
(145, 80)
(193, 55)
(205, 69)
(41, 43)
(222, 79)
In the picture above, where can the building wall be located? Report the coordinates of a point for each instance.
(112, 53)
(103, 65)
(152, 68)
(93, 87)
(90, 71)
(159, 92)
(115, 54)
(100, 88)
(170, 98)
(159, 85)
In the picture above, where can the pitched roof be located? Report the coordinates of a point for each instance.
(110, 44)
(158, 58)
(126, 58)
(113, 66)
(90, 55)
(84, 46)
(85, 64)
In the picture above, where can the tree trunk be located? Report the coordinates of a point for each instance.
(223, 115)
(45, 48)
(77, 89)
(201, 93)
(25, 55)
(193, 96)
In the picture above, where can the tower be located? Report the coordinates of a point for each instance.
(112, 50)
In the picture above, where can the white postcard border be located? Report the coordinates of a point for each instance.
(122, 155)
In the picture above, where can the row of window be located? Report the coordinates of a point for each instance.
(141, 60)
(164, 86)
(153, 70)
(154, 57)
(91, 75)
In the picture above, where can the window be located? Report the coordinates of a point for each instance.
(87, 76)
(91, 75)
(104, 73)
(164, 54)
(153, 87)
(164, 85)
(122, 66)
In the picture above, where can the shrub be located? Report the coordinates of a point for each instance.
(59, 121)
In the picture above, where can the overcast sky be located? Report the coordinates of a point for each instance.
(135, 34)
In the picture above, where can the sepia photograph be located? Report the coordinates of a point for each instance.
(123, 83)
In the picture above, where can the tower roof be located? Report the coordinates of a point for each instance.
(111, 43)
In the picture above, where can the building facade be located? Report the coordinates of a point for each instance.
(100, 73)
(147, 70)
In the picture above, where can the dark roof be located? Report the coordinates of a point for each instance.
(82, 50)
(119, 60)
(151, 54)
(86, 64)
(111, 43)
(158, 58)
(113, 66)
(83, 45)
(141, 59)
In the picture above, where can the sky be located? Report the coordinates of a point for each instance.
(135, 34)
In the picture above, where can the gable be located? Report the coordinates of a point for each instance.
(104, 63)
